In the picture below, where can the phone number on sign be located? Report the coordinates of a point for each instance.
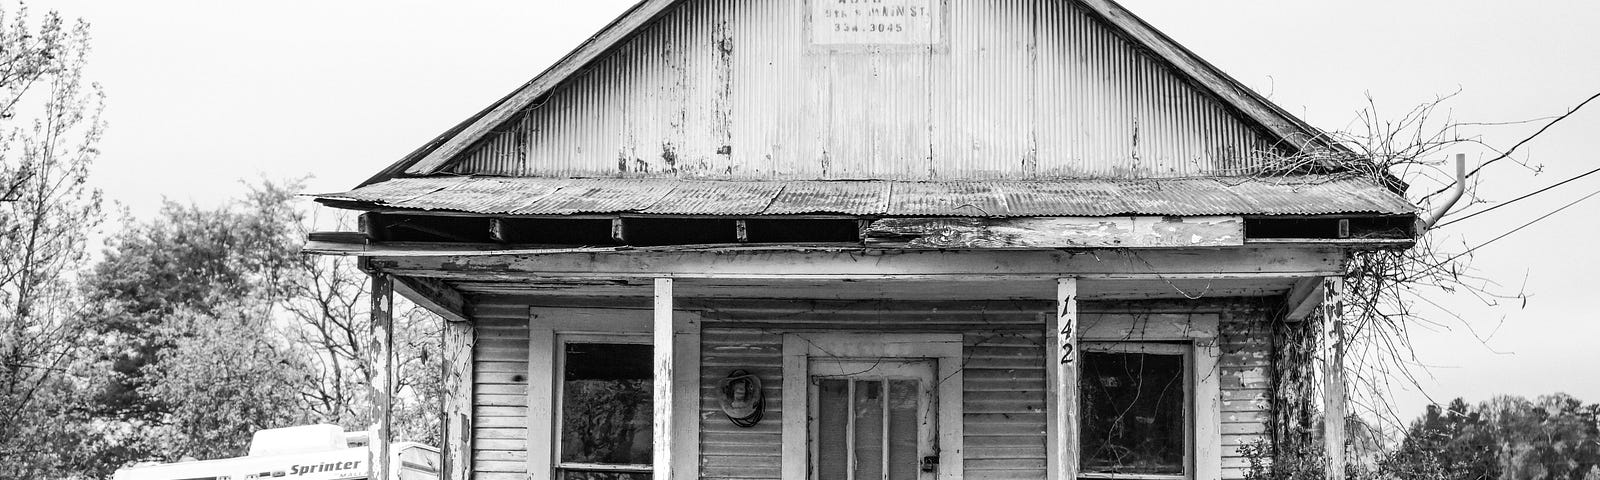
(869, 28)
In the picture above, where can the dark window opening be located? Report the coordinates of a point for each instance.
(576, 232)
(648, 232)
(1134, 413)
(421, 228)
(1387, 227)
(606, 416)
(803, 231)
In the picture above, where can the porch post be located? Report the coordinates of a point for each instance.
(460, 338)
(382, 382)
(1334, 408)
(663, 381)
(1062, 365)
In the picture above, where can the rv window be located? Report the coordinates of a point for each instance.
(1134, 407)
(606, 417)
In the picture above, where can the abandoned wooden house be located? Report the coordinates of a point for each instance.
(886, 239)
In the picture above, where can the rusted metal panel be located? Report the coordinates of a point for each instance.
(967, 199)
(1300, 195)
(848, 198)
(1009, 89)
(580, 196)
(485, 194)
(719, 198)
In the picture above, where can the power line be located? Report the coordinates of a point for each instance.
(1514, 200)
(1503, 235)
(1529, 138)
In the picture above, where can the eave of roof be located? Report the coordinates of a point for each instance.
(1197, 196)
(433, 156)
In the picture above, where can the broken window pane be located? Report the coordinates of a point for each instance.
(1133, 413)
(606, 414)
(869, 429)
(903, 452)
(833, 400)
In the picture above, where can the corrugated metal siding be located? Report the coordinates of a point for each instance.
(1017, 89)
(1246, 385)
(1303, 195)
(500, 392)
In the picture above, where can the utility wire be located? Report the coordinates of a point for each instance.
(1503, 235)
(1514, 200)
(1529, 138)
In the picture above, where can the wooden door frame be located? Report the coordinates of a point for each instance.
(798, 348)
(928, 399)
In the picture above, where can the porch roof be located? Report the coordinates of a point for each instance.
(1286, 195)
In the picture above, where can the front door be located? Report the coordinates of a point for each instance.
(873, 419)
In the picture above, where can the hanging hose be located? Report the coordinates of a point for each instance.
(741, 398)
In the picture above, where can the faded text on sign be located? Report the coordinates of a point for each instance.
(874, 22)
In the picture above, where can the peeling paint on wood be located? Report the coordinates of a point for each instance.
(459, 344)
(381, 385)
(1059, 232)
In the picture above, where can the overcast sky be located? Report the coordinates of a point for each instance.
(204, 94)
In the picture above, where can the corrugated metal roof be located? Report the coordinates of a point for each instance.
(1291, 195)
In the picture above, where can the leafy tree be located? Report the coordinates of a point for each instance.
(182, 260)
(187, 263)
(219, 327)
(49, 127)
(1455, 437)
(1552, 437)
(226, 374)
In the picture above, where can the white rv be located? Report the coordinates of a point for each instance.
(310, 452)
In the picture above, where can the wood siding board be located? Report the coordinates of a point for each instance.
(1246, 394)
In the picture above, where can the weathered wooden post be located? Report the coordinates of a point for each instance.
(1062, 364)
(459, 340)
(1334, 408)
(663, 348)
(382, 381)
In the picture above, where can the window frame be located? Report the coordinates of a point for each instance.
(1187, 353)
(558, 407)
(1199, 331)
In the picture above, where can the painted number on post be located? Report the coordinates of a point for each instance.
(1068, 333)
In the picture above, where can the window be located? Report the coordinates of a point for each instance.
(1134, 401)
(606, 412)
(872, 419)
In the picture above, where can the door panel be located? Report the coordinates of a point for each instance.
(872, 419)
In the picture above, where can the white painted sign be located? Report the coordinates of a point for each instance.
(875, 22)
